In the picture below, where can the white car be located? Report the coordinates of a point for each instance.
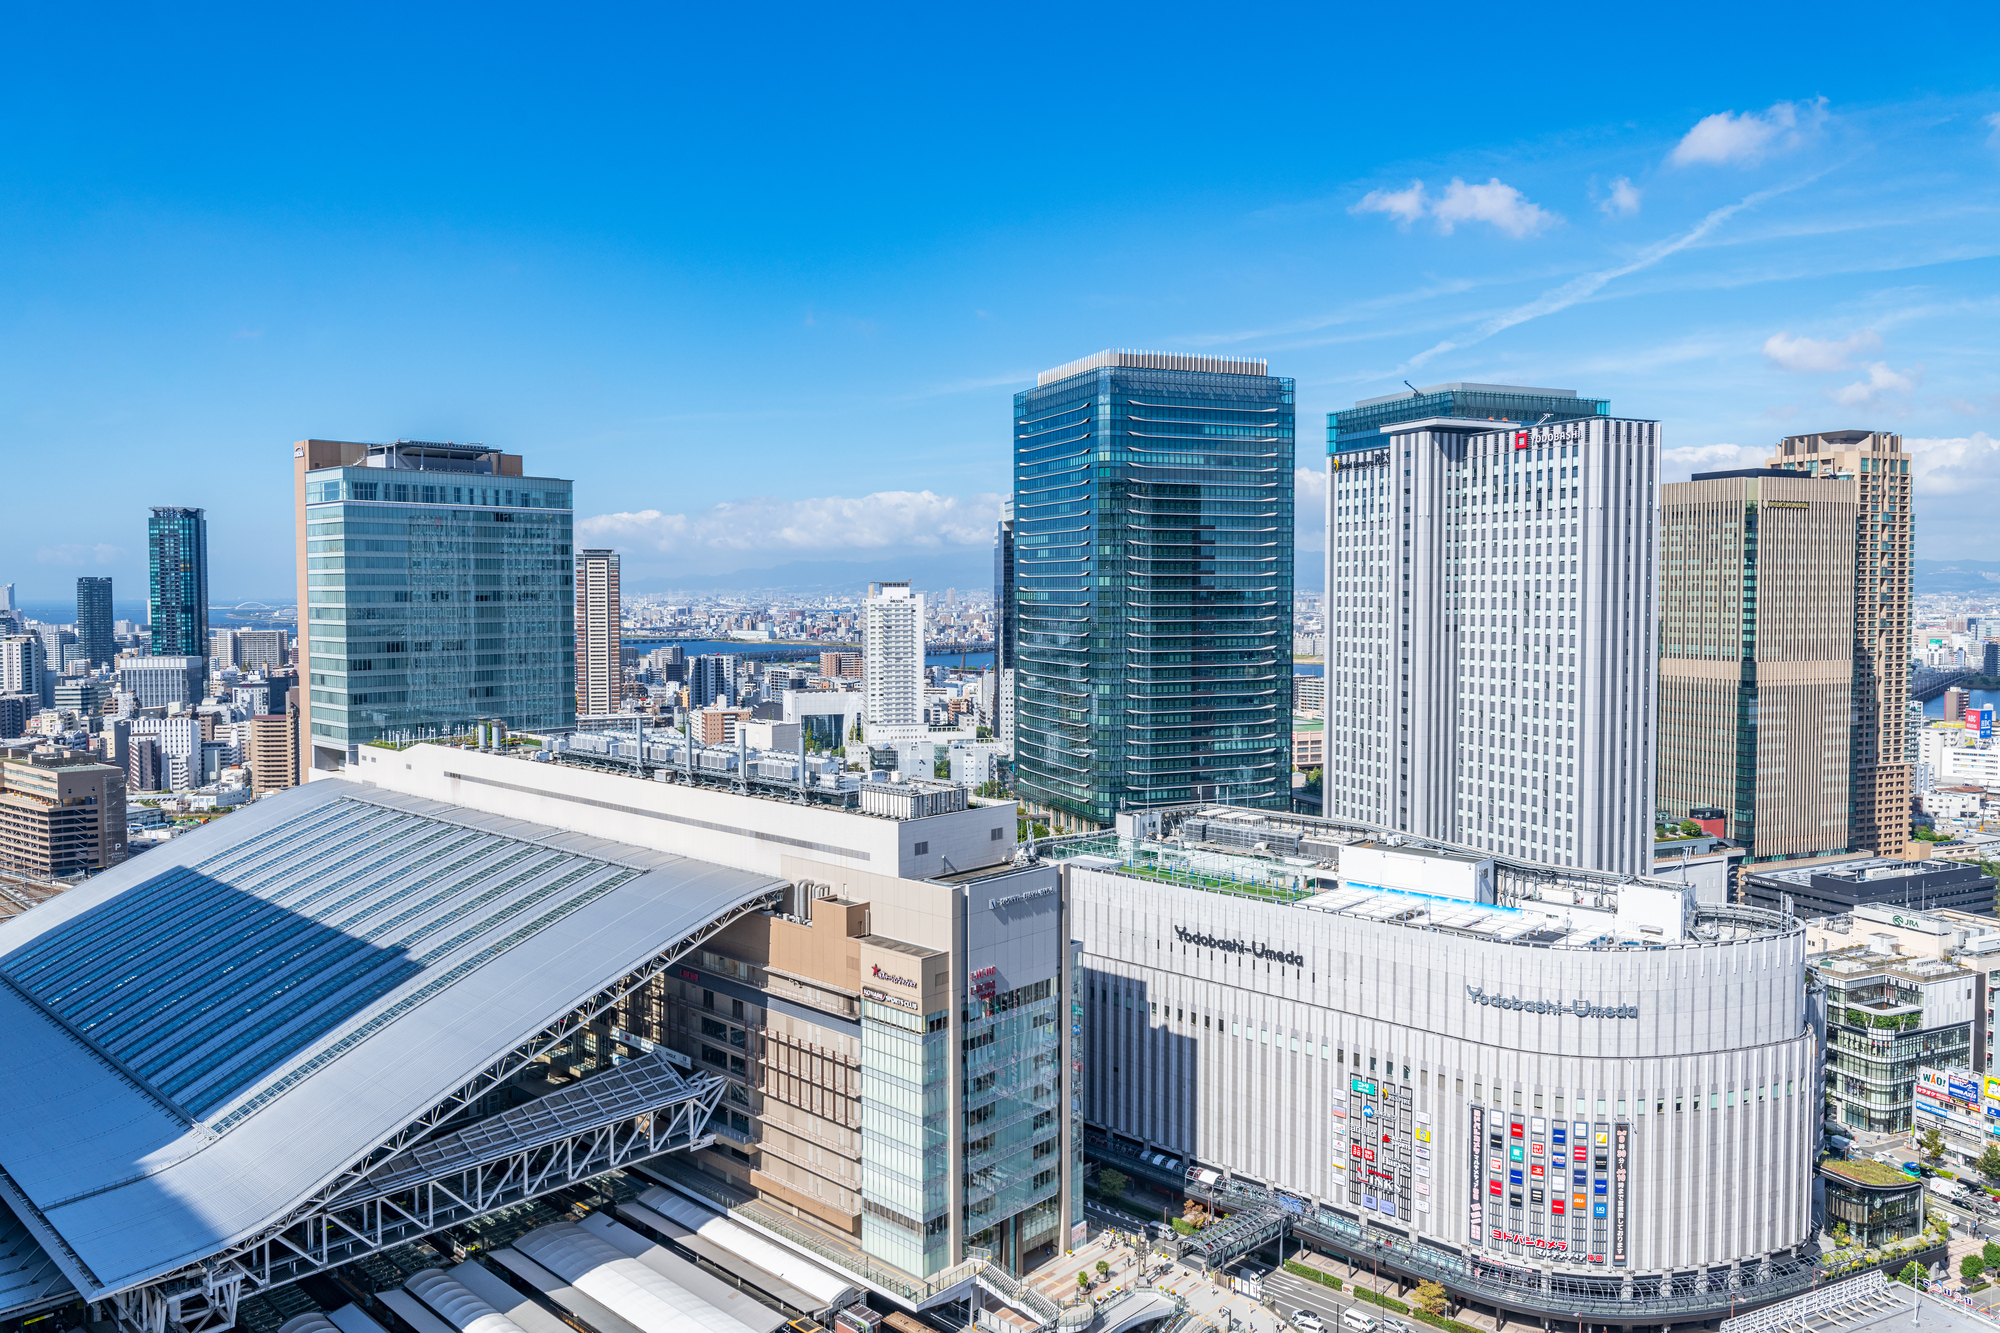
(1354, 1321)
(1309, 1321)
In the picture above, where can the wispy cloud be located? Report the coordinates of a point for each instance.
(1406, 205)
(1993, 139)
(1581, 288)
(1622, 202)
(1495, 203)
(1882, 382)
(79, 554)
(883, 520)
(1816, 354)
(1731, 139)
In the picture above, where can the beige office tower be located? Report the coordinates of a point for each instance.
(1879, 773)
(1757, 656)
(599, 673)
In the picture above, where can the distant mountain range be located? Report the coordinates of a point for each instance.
(931, 573)
(1960, 576)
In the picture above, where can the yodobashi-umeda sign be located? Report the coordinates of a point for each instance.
(1577, 1008)
(1253, 949)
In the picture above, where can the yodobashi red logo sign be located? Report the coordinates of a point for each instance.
(1520, 439)
(890, 977)
(1535, 1242)
(689, 974)
(985, 981)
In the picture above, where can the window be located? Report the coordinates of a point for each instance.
(995, 835)
(921, 849)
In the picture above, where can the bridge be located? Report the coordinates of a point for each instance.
(1930, 682)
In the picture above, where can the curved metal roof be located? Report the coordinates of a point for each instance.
(204, 1038)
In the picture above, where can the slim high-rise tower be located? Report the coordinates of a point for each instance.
(93, 620)
(599, 673)
(177, 592)
(1879, 774)
(1490, 643)
(434, 591)
(1757, 656)
(1153, 585)
(892, 661)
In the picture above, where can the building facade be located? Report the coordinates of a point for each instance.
(1879, 774)
(274, 752)
(1491, 658)
(1420, 1052)
(899, 1037)
(158, 682)
(711, 678)
(94, 620)
(600, 674)
(23, 669)
(1887, 1014)
(1005, 618)
(1757, 655)
(1837, 889)
(60, 816)
(434, 591)
(177, 586)
(892, 661)
(1153, 585)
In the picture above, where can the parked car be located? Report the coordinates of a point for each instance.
(1307, 1320)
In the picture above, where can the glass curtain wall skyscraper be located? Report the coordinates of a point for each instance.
(435, 590)
(1152, 585)
(177, 592)
(1003, 627)
(93, 620)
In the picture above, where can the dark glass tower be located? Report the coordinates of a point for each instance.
(1003, 589)
(1153, 585)
(93, 619)
(177, 563)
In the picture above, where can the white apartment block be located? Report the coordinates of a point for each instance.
(892, 662)
(1491, 659)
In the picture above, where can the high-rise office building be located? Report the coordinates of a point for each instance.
(599, 672)
(274, 751)
(892, 661)
(711, 678)
(93, 620)
(1152, 585)
(1004, 618)
(1757, 656)
(221, 648)
(1490, 653)
(23, 668)
(434, 591)
(1879, 775)
(177, 588)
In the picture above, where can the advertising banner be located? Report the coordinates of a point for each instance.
(1478, 1164)
(1620, 1204)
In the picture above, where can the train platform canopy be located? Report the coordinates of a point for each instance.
(209, 1038)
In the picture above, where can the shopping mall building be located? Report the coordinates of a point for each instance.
(1558, 1093)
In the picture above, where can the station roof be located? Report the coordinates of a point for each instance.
(203, 1039)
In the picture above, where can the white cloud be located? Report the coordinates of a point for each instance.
(1406, 206)
(1969, 463)
(77, 554)
(1503, 206)
(1730, 139)
(1812, 354)
(1993, 139)
(1881, 380)
(1622, 202)
(823, 525)
(1678, 464)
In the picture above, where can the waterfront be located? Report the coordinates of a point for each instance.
(639, 645)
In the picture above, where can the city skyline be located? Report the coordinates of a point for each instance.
(1754, 257)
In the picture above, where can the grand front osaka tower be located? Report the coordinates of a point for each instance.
(1153, 585)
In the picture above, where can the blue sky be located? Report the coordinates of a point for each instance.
(764, 283)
